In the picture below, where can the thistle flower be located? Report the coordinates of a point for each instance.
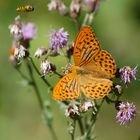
(126, 112)
(75, 8)
(58, 39)
(72, 111)
(20, 52)
(47, 67)
(127, 74)
(118, 89)
(28, 31)
(86, 105)
(63, 9)
(40, 52)
(16, 29)
(90, 5)
(53, 5)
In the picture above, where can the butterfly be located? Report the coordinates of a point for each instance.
(91, 73)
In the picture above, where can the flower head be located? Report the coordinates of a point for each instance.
(126, 112)
(28, 31)
(86, 105)
(90, 5)
(20, 52)
(72, 111)
(127, 74)
(16, 29)
(53, 5)
(40, 52)
(58, 39)
(75, 8)
(47, 67)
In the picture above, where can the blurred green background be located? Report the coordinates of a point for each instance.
(117, 27)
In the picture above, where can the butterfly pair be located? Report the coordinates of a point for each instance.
(91, 73)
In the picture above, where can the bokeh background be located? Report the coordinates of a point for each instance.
(117, 27)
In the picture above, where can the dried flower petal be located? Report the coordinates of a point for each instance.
(53, 5)
(72, 111)
(90, 5)
(75, 8)
(40, 52)
(86, 105)
(20, 52)
(47, 67)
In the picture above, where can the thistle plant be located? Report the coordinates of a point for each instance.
(80, 109)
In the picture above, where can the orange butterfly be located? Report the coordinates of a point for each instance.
(91, 73)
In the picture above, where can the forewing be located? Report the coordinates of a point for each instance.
(86, 46)
(67, 88)
(95, 88)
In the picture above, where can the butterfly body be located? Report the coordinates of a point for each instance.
(27, 8)
(91, 73)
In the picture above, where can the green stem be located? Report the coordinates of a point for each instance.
(58, 74)
(22, 75)
(39, 97)
(35, 85)
(72, 134)
(93, 119)
(53, 133)
(81, 126)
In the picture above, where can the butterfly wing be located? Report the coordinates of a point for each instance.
(87, 54)
(86, 46)
(95, 88)
(67, 88)
(102, 65)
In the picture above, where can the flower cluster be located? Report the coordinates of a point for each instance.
(22, 35)
(73, 10)
(74, 110)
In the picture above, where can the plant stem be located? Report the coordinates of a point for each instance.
(58, 74)
(93, 119)
(35, 85)
(21, 74)
(39, 97)
(81, 126)
(53, 132)
(72, 134)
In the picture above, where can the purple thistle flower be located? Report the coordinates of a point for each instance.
(28, 31)
(127, 74)
(58, 39)
(126, 112)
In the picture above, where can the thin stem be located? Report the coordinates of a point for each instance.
(93, 119)
(34, 85)
(81, 126)
(53, 132)
(42, 77)
(22, 75)
(58, 74)
(73, 133)
(39, 97)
